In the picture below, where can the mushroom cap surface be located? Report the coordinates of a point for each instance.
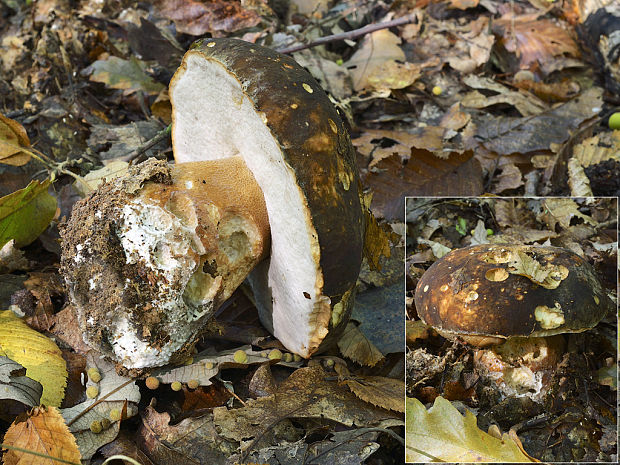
(231, 97)
(503, 291)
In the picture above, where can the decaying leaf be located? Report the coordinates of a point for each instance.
(355, 345)
(38, 354)
(388, 393)
(536, 42)
(16, 387)
(208, 363)
(95, 178)
(128, 75)
(26, 213)
(109, 397)
(43, 431)
(379, 63)
(13, 138)
(376, 241)
(199, 17)
(304, 394)
(577, 180)
(12, 259)
(443, 434)
(598, 148)
(562, 211)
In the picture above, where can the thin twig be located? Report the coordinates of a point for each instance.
(355, 33)
(161, 135)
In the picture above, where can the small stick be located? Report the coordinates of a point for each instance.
(410, 18)
(161, 135)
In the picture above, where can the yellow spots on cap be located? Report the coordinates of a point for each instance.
(333, 126)
(549, 318)
(444, 288)
(473, 295)
(307, 88)
(212, 44)
(294, 106)
(496, 274)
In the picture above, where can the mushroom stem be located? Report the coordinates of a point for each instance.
(148, 258)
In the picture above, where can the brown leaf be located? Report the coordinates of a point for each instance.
(199, 17)
(387, 393)
(536, 43)
(205, 397)
(43, 431)
(65, 328)
(423, 175)
(13, 138)
(355, 345)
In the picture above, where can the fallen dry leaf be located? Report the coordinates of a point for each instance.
(537, 43)
(200, 17)
(13, 138)
(43, 431)
(355, 345)
(387, 393)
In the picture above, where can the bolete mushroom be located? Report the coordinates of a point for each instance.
(265, 186)
(519, 295)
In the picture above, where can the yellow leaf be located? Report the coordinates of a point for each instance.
(13, 138)
(443, 434)
(43, 432)
(37, 353)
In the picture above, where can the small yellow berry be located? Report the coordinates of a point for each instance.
(275, 354)
(193, 383)
(614, 121)
(151, 382)
(92, 392)
(105, 423)
(176, 386)
(240, 356)
(95, 426)
(115, 414)
(189, 361)
(329, 362)
(287, 357)
(94, 375)
(209, 365)
(296, 358)
(437, 90)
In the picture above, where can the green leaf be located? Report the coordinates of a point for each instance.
(443, 434)
(461, 226)
(26, 213)
(124, 74)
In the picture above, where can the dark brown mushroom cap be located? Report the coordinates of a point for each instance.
(510, 290)
(313, 145)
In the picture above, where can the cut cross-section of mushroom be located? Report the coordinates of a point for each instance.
(148, 258)
(265, 170)
(230, 98)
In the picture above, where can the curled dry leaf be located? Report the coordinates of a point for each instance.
(13, 139)
(43, 431)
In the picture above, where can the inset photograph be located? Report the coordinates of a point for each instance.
(511, 329)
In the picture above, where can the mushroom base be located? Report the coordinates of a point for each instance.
(148, 258)
(521, 367)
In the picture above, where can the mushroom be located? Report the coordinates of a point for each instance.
(265, 187)
(520, 295)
